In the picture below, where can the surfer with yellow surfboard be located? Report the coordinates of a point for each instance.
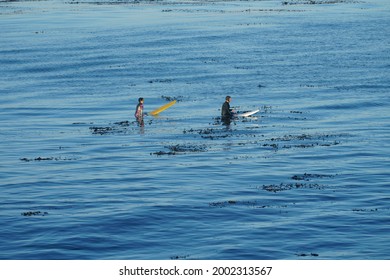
(139, 110)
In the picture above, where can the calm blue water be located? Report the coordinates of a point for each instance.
(307, 178)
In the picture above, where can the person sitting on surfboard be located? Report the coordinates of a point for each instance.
(226, 112)
(139, 110)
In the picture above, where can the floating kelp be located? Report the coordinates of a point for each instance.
(46, 159)
(180, 257)
(222, 11)
(187, 148)
(298, 185)
(101, 129)
(162, 153)
(34, 213)
(290, 186)
(123, 123)
(308, 177)
(37, 159)
(222, 204)
(303, 146)
(182, 149)
(307, 255)
(302, 141)
(171, 98)
(209, 133)
(317, 2)
(121, 127)
(112, 2)
(248, 203)
(365, 210)
(164, 81)
(291, 137)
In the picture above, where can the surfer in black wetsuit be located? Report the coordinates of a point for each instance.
(227, 113)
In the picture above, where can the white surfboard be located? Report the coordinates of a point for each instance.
(247, 114)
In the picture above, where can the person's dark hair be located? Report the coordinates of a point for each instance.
(140, 99)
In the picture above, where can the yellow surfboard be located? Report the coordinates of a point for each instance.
(162, 108)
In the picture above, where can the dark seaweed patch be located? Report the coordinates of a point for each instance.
(182, 149)
(160, 81)
(304, 137)
(334, 143)
(311, 86)
(308, 177)
(297, 113)
(123, 123)
(209, 133)
(228, 11)
(289, 186)
(121, 127)
(222, 204)
(80, 123)
(274, 146)
(12, 1)
(187, 148)
(37, 159)
(307, 255)
(248, 203)
(34, 213)
(162, 153)
(302, 146)
(105, 2)
(317, 2)
(180, 257)
(365, 210)
(296, 119)
(101, 130)
(311, 140)
(46, 159)
(171, 98)
(298, 185)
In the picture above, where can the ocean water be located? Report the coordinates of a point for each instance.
(305, 178)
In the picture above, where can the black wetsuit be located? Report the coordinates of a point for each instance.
(226, 113)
